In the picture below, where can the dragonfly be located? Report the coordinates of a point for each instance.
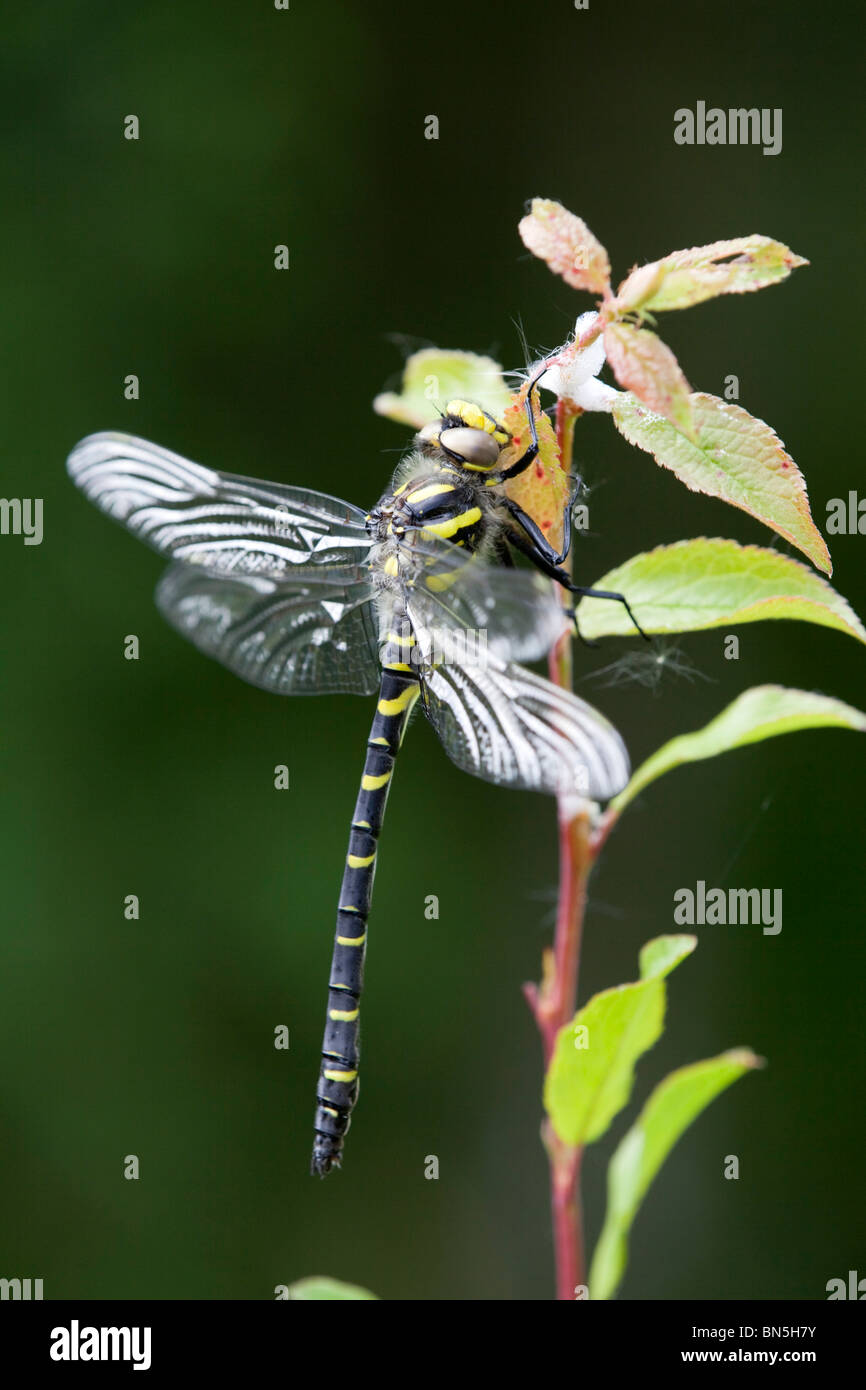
(417, 601)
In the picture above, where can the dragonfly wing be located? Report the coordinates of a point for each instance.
(514, 613)
(292, 637)
(510, 726)
(219, 521)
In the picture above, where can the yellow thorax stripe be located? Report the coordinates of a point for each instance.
(438, 582)
(446, 529)
(423, 494)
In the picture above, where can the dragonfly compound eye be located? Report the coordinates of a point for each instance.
(475, 447)
(428, 435)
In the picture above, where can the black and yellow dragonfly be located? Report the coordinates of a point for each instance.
(300, 593)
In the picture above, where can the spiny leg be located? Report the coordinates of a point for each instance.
(536, 536)
(528, 547)
(520, 466)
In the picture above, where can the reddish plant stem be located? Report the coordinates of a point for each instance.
(566, 1215)
(553, 1002)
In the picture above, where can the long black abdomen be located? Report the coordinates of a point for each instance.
(338, 1076)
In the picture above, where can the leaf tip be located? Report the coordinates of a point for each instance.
(745, 1057)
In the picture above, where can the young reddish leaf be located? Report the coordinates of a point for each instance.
(542, 489)
(565, 242)
(688, 277)
(734, 457)
(639, 287)
(644, 365)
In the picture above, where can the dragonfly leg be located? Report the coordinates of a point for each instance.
(538, 541)
(493, 479)
(529, 547)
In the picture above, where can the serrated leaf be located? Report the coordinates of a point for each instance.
(319, 1287)
(434, 376)
(698, 584)
(566, 244)
(735, 457)
(688, 277)
(674, 1104)
(644, 365)
(542, 490)
(591, 1071)
(765, 711)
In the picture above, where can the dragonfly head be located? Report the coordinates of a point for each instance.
(467, 437)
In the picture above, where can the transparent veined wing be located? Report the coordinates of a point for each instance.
(510, 726)
(306, 635)
(219, 521)
(514, 613)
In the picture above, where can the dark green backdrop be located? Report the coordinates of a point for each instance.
(261, 127)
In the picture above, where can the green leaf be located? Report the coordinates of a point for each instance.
(644, 365)
(319, 1286)
(591, 1072)
(738, 266)
(434, 376)
(704, 583)
(762, 712)
(671, 1108)
(661, 955)
(734, 457)
(566, 244)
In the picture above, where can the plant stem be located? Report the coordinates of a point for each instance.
(553, 1002)
(567, 1215)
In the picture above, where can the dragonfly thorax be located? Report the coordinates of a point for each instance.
(433, 502)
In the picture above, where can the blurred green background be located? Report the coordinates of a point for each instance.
(306, 127)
